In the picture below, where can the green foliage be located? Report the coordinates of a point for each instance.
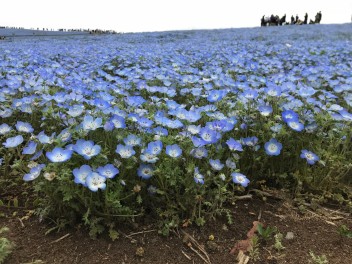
(253, 251)
(6, 246)
(278, 242)
(266, 233)
(344, 231)
(317, 259)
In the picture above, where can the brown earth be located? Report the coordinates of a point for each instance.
(314, 231)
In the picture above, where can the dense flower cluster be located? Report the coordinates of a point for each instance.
(120, 106)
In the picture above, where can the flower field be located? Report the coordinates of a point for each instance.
(175, 124)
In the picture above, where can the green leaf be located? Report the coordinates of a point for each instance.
(113, 234)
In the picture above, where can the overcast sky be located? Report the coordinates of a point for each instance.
(160, 15)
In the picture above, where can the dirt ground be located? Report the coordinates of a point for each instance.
(313, 231)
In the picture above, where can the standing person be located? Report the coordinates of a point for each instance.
(305, 19)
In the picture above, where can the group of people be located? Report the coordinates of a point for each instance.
(277, 21)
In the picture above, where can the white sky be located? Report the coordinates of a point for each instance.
(160, 15)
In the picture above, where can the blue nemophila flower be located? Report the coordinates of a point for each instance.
(209, 136)
(193, 129)
(144, 122)
(89, 123)
(234, 144)
(216, 164)
(34, 173)
(149, 157)
(240, 179)
(81, 174)
(65, 135)
(216, 95)
(95, 181)
(134, 101)
(86, 148)
(132, 140)
(309, 156)
(265, 110)
(108, 171)
(289, 115)
(75, 110)
(198, 142)
(5, 112)
(199, 153)
(145, 171)
(273, 147)
(44, 139)
(125, 151)
(13, 142)
(118, 121)
(154, 147)
(4, 129)
(198, 178)
(272, 89)
(173, 151)
(250, 141)
(59, 154)
(276, 128)
(30, 148)
(160, 131)
(295, 125)
(24, 127)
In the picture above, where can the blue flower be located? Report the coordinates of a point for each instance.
(81, 174)
(173, 151)
(216, 164)
(132, 140)
(209, 136)
(265, 110)
(89, 123)
(24, 127)
(144, 122)
(125, 151)
(59, 155)
(198, 178)
(199, 153)
(240, 179)
(273, 147)
(118, 121)
(234, 144)
(160, 131)
(4, 129)
(288, 115)
(145, 171)
(30, 148)
(108, 171)
(154, 147)
(149, 157)
(44, 139)
(13, 142)
(309, 156)
(65, 135)
(34, 173)
(86, 148)
(250, 141)
(216, 95)
(193, 129)
(95, 181)
(295, 125)
(75, 110)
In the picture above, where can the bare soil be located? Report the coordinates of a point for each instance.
(313, 231)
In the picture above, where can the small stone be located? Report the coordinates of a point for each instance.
(289, 235)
